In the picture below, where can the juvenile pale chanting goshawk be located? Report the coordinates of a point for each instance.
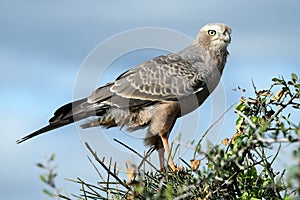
(155, 93)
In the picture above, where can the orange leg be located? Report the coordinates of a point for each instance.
(168, 152)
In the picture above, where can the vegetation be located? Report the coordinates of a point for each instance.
(242, 167)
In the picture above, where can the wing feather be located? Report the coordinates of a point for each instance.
(168, 77)
(162, 78)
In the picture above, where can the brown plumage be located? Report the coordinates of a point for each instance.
(155, 93)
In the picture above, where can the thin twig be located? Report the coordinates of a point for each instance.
(278, 140)
(187, 164)
(99, 174)
(148, 153)
(134, 151)
(104, 166)
(211, 126)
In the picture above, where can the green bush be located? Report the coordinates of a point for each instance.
(239, 168)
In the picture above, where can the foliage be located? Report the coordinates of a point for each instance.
(239, 168)
(49, 176)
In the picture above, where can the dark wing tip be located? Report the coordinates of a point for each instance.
(23, 139)
(43, 130)
(19, 141)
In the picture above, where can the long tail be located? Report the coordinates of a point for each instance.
(66, 114)
(43, 130)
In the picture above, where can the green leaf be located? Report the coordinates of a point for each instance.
(40, 165)
(43, 179)
(252, 173)
(241, 106)
(168, 193)
(47, 192)
(54, 175)
(294, 77)
(52, 157)
(239, 123)
(282, 127)
(254, 119)
(266, 182)
(244, 196)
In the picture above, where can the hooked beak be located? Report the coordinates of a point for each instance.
(226, 37)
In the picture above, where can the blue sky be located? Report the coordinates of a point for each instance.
(43, 45)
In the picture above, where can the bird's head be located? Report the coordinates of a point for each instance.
(214, 36)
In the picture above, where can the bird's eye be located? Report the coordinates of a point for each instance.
(211, 32)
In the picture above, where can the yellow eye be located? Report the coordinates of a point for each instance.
(211, 32)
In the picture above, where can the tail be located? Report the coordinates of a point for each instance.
(67, 114)
(43, 130)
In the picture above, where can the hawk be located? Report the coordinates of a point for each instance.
(155, 93)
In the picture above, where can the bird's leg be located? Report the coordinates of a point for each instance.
(165, 142)
(161, 158)
(162, 122)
